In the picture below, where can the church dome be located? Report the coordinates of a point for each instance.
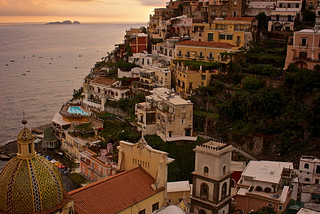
(29, 183)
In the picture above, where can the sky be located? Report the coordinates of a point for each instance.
(84, 11)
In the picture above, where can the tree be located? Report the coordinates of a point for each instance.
(262, 21)
(308, 17)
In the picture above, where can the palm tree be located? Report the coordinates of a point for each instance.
(233, 209)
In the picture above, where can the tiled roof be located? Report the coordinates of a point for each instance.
(239, 18)
(104, 81)
(206, 44)
(114, 193)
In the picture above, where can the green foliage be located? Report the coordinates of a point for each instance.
(77, 94)
(252, 82)
(181, 151)
(262, 21)
(78, 179)
(308, 16)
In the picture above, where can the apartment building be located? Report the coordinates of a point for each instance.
(166, 114)
(151, 77)
(95, 167)
(254, 7)
(266, 183)
(237, 31)
(101, 89)
(282, 18)
(309, 170)
(304, 49)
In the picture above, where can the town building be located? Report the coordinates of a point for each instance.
(140, 187)
(151, 77)
(101, 89)
(309, 170)
(282, 18)
(157, 24)
(29, 183)
(166, 114)
(237, 31)
(303, 49)
(204, 51)
(73, 146)
(178, 191)
(266, 183)
(95, 167)
(254, 7)
(211, 191)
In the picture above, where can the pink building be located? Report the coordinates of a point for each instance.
(96, 167)
(304, 49)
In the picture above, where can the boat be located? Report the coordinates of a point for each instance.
(12, 60)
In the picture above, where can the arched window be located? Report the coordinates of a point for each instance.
(205, 170)
(306, 166)
(202, 212)
(224, 190)
(224, 169)
(204, 191)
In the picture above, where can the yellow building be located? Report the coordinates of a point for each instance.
(188, 78)
(29, 183)
(140, 188)
(237, 31)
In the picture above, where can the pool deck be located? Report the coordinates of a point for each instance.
(65, 107)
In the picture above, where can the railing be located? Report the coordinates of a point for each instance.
(187, 55)
(303, 45)
(200, 57)
(307, 59)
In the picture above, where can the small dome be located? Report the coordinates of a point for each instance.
(30, 185)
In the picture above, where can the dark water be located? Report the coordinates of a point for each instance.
(47, 63)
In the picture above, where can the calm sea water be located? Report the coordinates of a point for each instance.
(40, 65)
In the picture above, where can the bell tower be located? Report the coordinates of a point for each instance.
(211, 193)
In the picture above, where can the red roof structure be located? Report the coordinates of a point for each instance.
(104, 81)
(206, 44)
(114, 193)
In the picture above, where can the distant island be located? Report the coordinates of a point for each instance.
(67, 22)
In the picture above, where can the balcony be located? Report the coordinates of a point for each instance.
(308, 59)
(187, 55)
(200, 57)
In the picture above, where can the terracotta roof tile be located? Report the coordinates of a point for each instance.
(114, 193)
(206, 44)
(239, 18)
(104, 81)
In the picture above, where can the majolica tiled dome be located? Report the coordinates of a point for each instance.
(29, 183)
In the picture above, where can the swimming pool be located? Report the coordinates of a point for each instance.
(76, 110)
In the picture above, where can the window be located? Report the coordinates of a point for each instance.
(183, 121)
(306, 166)
(205, 170)
(142, 211)
(269, 205)
(234, 13)
(203, 77)
(224, 190)
(202, 212)
(210, 56)
(222, 36)
(204, 191)
(224, 170)
(307, 179)
(303, 54)
(30, 147)
(303, 41)
(155, 206)
(210, 36)
(179, 53)
(224, 13)
(280, 208)
(318, 169)
(229, 37)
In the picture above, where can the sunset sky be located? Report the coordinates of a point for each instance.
(85, 11)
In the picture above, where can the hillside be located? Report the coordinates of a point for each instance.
(270, 113)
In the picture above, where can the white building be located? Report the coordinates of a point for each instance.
(309, 170)
(282, 18)
(266, 183)
(99, 90)
(167, 115)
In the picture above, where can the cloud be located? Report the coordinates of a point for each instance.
(154, 3)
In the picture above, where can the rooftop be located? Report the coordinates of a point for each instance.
(104, 81)
(178, 186)
(266, 171)
(114, 193)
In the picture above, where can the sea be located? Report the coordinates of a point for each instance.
(41, 65)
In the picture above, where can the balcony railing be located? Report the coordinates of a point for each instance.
(307, 59)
